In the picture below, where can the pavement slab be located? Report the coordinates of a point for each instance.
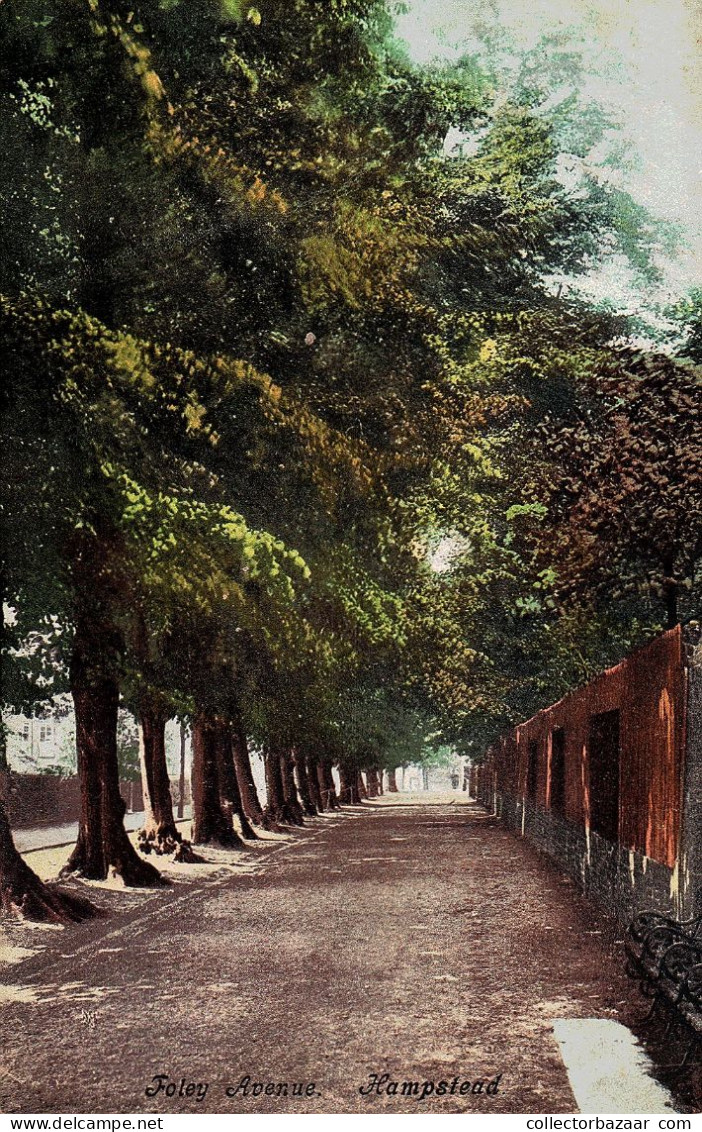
(54, 836)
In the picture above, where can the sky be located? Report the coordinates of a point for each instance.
(643, 62)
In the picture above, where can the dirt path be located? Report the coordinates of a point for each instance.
(421, 941)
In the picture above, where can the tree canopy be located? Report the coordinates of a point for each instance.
(270, 349)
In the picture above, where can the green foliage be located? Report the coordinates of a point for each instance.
(267, 347)
(621, 485)
(687, 317)
(128, 750)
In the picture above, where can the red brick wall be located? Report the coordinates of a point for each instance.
(46, 800)
(648, 690)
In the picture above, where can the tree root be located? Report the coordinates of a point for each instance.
(28, 898)
(285, 814)
(291, 814)
(165, 843)
(223, 840)
(131, 870)
(269, 822)
(186, 855)
(247, 830)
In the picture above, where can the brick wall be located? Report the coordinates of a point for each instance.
(36, 800)
(690, 867)
(608, 781)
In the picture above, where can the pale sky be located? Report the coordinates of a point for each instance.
(642, 61)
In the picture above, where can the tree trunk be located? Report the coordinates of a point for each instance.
(22, 894)
(275, 803)
(392, 781)
(322, 785)
(160, 833)
(313, 782)
(360, 786)
(303, 784)
(671, 606)
(372, 780)
(103, 846)
(159, 823)
(229, 793)
(425, 778)
(4, 764)
(212, 824)
(334, 803)
(244, 776)
(348, 792)
(670, 594)
(293, 809)
(379, 775)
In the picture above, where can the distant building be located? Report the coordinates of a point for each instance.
(46, 744)
(43, 744)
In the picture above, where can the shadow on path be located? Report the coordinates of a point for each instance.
(415, 939)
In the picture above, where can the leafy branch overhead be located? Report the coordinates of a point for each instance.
(307, 433)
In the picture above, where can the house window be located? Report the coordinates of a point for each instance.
(23, 732)
(604, 761)
(558, 777)
(532, 769)
(46, 733)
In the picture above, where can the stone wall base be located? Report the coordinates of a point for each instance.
(622, 881)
